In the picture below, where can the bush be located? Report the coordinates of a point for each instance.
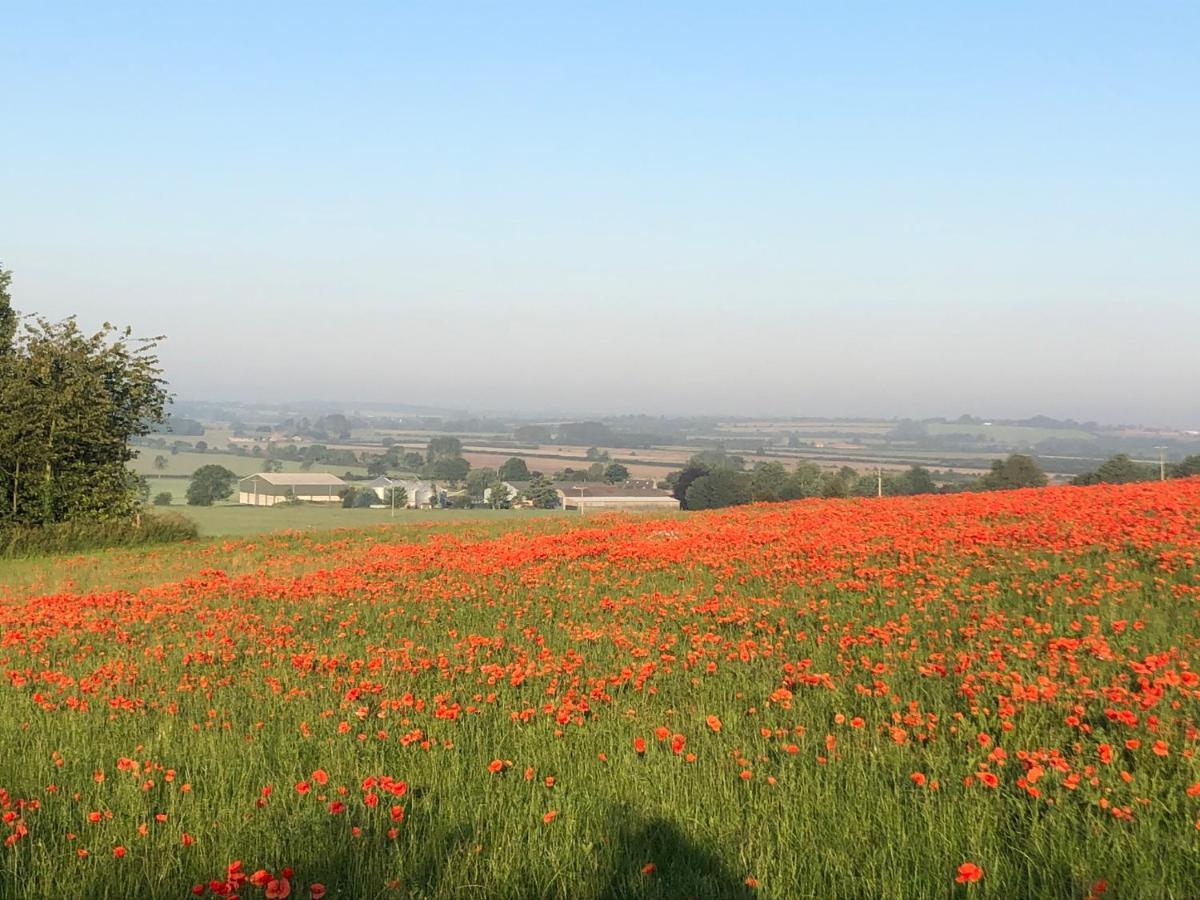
(163, 499)
(73, 537)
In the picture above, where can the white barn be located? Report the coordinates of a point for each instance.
(269, 488)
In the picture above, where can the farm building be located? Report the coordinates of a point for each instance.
(269, 488)
(420, 494)
(588, 497)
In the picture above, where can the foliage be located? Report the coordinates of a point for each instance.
(70, 403)
(514, 469)
(1118, 469)
(163, 498)
(680, 481)
(719, 488)
(615, 473)
(209, 484)
(499, 496)
(541, 493)
(396, 497)
(78, 536)
(767, 481)
(447, 468)
(443, 447)
(1017, 471)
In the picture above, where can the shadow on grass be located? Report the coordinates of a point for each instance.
(681, 868)
(678, 868)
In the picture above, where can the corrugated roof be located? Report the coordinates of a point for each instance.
(290, 479)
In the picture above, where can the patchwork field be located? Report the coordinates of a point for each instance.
(989, 695)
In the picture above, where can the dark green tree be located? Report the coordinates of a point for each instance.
(1017, 471)
(804, 481)
(163, 498)
(767, 481)
(448, 468)
(514, 469)
(8, 316)
(719, 488)
(209, 484)
(615, 473)
(1187, 467)
(683, 479)
(498, 496)
(541, 493)
(443, 447)
(70, 403)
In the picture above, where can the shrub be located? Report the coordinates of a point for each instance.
(73, 537)
(163, 499)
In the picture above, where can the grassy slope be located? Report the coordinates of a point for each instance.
(424, 652)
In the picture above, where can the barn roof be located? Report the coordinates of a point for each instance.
(291, 479)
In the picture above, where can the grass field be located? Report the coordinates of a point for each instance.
(989, 695)
(235, 519)
(183, 464)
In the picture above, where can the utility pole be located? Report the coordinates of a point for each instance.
(1162, 464)
(879, 481)
(580, 489)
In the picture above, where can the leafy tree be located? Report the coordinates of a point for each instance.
(767, 481)
(595, 454)
(209, 484)
(479, 480)
(201, 446)
(541, 493)
(804, 481)
(70, 403)
(396, 497)
(596, 472)
(272, 465)
(514, 469)
(160, 462)
(916, 480)
(8, 316)
(616, 473)
(718, 459)
(448, 469)
(682, 480)
(412, 461)
(1121, 469)
(377, 465)
(365, 499)
(719, 488)
(1187, 467)
(499, 496)
(1017, 471)
(443, 447)
(163, 498)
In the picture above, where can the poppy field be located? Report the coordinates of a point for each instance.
(974, 695)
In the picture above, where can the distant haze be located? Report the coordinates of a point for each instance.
(791, 209)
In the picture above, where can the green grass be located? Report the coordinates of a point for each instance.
(204, 683)
(184, 463)
(235, 519)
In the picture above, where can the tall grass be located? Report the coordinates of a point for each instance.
(74, 537)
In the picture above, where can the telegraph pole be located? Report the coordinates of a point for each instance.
(1162, 465)
(879, 481)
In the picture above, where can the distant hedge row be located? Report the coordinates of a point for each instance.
(73, 537)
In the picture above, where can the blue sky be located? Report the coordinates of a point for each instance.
(857, 209)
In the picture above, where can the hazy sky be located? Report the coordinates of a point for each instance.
(807, 209)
